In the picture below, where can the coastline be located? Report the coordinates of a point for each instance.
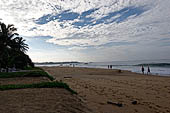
(156, 68)
(99, 87)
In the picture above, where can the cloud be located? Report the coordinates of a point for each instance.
(80, 25)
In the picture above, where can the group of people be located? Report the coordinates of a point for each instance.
(109, 66)
(143, 70)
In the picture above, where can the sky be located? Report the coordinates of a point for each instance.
(91, 30)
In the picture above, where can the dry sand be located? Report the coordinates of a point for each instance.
(42, 100)
(97, 87)
(38, 100)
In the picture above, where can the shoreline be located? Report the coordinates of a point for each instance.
(157, 67)
(151, 74)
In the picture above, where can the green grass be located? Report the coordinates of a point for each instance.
(38, 73)
(34, 68)
(37, 85)
(34, 72)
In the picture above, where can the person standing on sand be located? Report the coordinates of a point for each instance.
(143, 69)
(110, 66)
(148, 70)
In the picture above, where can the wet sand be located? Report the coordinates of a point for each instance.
(103, 89)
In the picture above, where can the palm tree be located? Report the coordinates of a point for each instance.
(7, 33)
(18, 43)
(12, 47)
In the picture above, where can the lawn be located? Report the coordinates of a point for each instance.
(29, 73)
(36, 72)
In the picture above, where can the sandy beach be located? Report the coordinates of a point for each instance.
(84, 56)
(38, 100)
(111, 91)
(42, 100)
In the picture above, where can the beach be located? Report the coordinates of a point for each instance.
(88, 56)
(43, 100)
(115, 91)
(38, 100)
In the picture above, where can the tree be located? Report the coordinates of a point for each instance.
(12, 48)
(18, 44)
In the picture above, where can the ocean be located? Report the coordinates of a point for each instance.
(158, 67)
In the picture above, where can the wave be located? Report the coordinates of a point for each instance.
(142, 64)
(155, 64)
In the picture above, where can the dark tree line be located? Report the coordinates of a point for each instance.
(13, 49)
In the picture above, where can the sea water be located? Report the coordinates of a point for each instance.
(158, 67)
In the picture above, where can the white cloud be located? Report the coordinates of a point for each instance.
(150, 25)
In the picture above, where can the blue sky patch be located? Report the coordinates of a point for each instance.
(85, 19)
(39, 42)
(65, 15)
(123, 15)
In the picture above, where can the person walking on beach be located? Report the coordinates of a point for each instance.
(143, 69)
(148, 70)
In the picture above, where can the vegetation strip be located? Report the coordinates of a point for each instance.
(37, 85)
(35, 73)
